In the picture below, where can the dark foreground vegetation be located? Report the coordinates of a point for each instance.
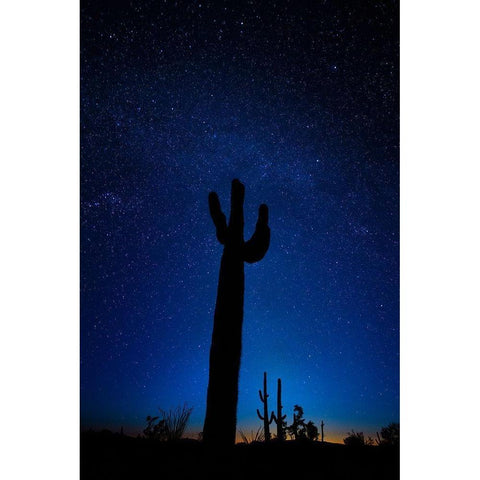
(105, 455)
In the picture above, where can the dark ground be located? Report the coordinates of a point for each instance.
(112, 456)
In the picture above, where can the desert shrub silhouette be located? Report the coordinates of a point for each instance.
(357, 439)
(225, 350)
(298, 429)
(170, 426)
(389, 435)
(311, 431)
(252, 437)
(154, 431)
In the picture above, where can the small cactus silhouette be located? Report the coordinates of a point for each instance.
(321, 427)
(264, 399)
(279, 418)
(222, 396)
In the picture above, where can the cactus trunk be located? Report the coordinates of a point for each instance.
(264, 399)
(279, 418)
(225, 351)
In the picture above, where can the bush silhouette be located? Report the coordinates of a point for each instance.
(170, 425)
(355, 439)
(154, 431)
(253, 437)
(298, 429)
(312, 431)
(389, 435)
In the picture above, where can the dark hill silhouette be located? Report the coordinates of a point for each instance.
(112, 456)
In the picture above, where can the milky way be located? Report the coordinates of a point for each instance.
(299, 100)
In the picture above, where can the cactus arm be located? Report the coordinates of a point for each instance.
(256, 248)
(261, 396)
(271, 418)
(218, 217)
(259, 415)
(275, 418)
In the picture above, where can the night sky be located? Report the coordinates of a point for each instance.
(298, 100)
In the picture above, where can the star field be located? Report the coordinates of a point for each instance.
(299, 100)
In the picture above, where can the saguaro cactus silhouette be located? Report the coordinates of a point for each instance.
(264, 399)
(221, 415)
(279, 418)
(322, 425)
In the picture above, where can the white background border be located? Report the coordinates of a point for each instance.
(439, 239)
(39, 218)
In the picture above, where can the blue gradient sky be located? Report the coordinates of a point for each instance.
(300, 103)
